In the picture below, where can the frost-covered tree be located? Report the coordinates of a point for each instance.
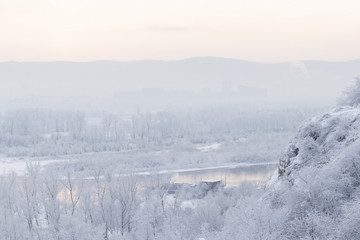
(29, 201)
(351, 96)
(50, 188)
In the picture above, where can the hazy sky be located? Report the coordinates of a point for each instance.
(257, 30)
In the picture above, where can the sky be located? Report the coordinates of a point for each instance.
(254, 30)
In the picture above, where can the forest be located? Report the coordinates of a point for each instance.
(43, 132)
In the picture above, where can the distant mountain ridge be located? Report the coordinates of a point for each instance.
(196, 74)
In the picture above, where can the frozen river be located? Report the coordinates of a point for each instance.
(231, 176)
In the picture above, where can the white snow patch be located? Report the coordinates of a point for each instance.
(209, 147)
(192, 204)
(8, 165)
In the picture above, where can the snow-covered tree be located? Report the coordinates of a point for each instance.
(351, 97)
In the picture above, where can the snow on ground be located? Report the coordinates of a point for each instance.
(18, 165)
(209, 147)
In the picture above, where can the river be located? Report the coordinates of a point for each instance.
(231, 176)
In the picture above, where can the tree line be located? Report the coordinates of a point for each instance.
(42, 132)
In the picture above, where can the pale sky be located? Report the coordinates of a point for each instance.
(255, 30)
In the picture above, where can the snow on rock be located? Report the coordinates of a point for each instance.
(317, 182)
(321, 140)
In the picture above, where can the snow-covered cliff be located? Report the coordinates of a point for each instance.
(317, 184)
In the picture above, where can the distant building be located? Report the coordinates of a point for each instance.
(211, 184)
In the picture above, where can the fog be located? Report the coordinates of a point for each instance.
(159, 85)
(183, 149)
